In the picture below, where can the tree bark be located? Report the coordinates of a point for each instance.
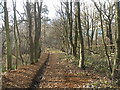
(36, 34)
(71, 27)
(76, 38)
(9, 53)
(28, 7)
(82, 57)
(39, 31)
(93, 32)
(116, 70)
(15, 34)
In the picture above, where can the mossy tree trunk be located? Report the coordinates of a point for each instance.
(9, 53)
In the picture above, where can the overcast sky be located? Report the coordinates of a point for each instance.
(19, 5)
(52, 5)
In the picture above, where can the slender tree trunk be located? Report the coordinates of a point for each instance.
(75, 39)
(15, 34)
(103, 38)
(106, 50)
(66, 30)
(19, 39)
(9, 53)
(88, 39)
(19, 42)
(116, 70)
(96, 37)
(39, 31)
(36, 34)
(93, 32)
(71, 27)
(82, 57)
(30, 31)
(110, 35)
(68, 24)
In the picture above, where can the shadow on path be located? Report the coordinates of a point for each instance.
(37, 79)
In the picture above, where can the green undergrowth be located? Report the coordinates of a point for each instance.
(97, 64)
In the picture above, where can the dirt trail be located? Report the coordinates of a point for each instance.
(59, 74)
(50, 72)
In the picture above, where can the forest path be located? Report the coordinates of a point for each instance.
(62, 74)
(54, 70)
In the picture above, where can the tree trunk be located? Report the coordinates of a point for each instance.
(110, 35)
(88, 39)
(103, 38)
(39, 31)
(66, 30)
(68, 25)
(75, 39)
(15, 34)
(93, 32)
(116, 70)
(36, 34)
(106, 49)
(96, 37)
(9, 53)
(28, 7)
(82, 57)
(71, 27)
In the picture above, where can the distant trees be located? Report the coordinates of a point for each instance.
(69, 27)
(92, 26)
(108, 17)
(103, 35)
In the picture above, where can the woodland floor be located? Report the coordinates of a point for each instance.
(54, 73)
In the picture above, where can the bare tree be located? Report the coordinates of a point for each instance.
(15, 34)
(108, 12)
(9, 53)
(82, 57)
(103, 38)
(28, 7)
(116, 70)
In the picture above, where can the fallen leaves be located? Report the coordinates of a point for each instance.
(58, 74)
(22, 77)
